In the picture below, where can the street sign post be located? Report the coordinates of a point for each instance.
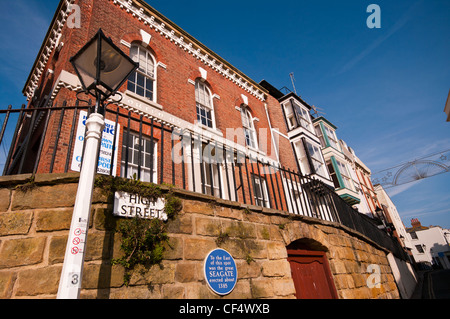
(72, 272)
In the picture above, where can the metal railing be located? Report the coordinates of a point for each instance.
(50, 140)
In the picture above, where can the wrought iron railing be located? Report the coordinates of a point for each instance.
(50, 140)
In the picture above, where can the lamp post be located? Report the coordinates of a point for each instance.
(379, 213)
(102, 69)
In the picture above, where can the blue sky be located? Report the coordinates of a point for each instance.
(385, 89)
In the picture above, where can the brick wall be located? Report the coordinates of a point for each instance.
(174, 92)
(34, 228)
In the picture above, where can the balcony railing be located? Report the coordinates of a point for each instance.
(51, 140)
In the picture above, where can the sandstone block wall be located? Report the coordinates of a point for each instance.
(34, 226)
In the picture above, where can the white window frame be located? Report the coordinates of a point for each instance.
(292, 107)
(147, 71)
(249, 127)
(331, 136)
(206, 164)
(263, 196)
(345, 174)
(207, 178)
(305, 120)
(290, 116)
(316, 157)
(319, 134)
(333, 174)
(420, 249)
(133, 161)
(201, 103)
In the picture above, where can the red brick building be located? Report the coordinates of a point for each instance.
(181, 85)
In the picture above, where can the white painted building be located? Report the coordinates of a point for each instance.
(431, 245)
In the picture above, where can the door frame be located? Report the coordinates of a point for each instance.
(292, 253)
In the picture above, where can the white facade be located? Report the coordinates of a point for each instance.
(431, 246)
(404, 275)
(303, 137)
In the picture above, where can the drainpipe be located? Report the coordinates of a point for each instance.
(271, 134)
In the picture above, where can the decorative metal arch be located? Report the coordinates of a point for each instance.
(424, 167)
(420, 173)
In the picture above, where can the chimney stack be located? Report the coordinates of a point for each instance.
(415, 223)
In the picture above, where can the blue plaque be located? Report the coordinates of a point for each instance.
(220, 272)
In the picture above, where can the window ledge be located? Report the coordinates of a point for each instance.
(210, 129)
(256, 150)
(129, 94)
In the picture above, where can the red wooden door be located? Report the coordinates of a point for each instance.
(311, 275)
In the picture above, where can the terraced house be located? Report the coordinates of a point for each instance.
(341, 172)
(244, 162)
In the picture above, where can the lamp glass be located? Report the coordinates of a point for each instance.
(83, 63)
(105, 74)
(114, 66)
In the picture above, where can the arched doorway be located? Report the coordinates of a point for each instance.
(310, 270)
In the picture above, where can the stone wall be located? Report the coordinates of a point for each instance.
(35, 219)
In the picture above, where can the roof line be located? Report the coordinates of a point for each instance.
(185, 35)
(138, 8)
(47, 37)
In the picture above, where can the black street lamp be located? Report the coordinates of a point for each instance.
(102, 69)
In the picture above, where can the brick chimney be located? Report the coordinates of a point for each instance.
(415, 223)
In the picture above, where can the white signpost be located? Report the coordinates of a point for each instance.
(106, 146)
(72, 272)
(102, 68)
(100, 134)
